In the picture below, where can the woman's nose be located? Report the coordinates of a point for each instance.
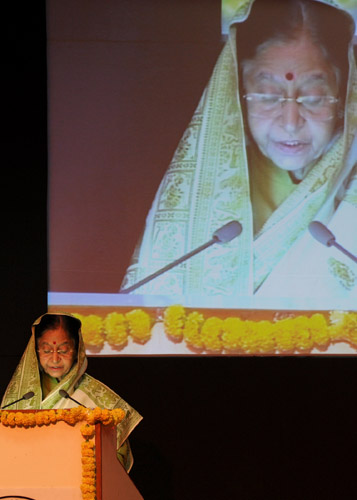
(55, 357)
(291, 117)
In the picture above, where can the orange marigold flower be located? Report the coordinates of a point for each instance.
(88, 431)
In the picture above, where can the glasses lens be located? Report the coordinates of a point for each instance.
(318, 107)
(271, 105)
(48, 352)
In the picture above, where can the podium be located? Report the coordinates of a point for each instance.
(47, 461)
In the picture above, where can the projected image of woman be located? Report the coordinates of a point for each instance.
(268, 146)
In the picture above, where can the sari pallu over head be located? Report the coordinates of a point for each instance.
(78, 384)
(207, 185)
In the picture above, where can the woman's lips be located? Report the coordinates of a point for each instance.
(291, 147)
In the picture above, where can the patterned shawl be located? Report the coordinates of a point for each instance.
(82, 387)
(207, 185)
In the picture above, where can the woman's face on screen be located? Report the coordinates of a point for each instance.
(290, 90)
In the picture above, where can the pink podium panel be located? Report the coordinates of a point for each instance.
(45, 462)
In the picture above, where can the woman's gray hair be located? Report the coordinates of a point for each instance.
(248, 65)
(277, 22)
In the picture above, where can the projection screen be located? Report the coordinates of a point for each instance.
(156, 143)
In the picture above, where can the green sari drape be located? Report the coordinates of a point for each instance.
(81, 386)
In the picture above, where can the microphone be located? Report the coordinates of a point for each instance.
(322, 234)
(28, 395)
(223, 234)
(64, 394)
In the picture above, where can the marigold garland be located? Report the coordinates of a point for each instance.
(298, 334)
(233, 335)
(89, 417)
(115, 328)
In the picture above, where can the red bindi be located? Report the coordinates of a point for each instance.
(289, 76)
(54, 342)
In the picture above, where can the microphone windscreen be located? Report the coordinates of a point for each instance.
(28, 395)
(228, 232)
(63, 393)
(320, 232)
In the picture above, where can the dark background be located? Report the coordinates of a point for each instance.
(124, 78)
(213, 428)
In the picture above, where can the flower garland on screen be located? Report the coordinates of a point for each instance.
(116, 329)
(72, 416)
(285, 334)
(233, 335)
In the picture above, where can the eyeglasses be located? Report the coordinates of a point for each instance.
(44, 351)
(314, 107)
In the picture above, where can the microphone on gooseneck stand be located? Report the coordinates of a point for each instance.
(322, 234)
(28, 395)
(64, 394)
(223, 234)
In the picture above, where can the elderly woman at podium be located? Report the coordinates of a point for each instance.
(270, 145)
(53, 369)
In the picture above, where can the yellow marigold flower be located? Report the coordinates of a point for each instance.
(74, 415)
(52, 416)
(88, 480)
(118, 415)
(60, 415)
(319, 330)
(88, 488)
(233, 334)
(3, 416)
(174, 320)
(88, 467)
(31, 420)
(88, 431)
(139, 325)
(301, 333)
(251, 338)
(88, 496)
(25, 421)
(88, 445)
(351, 325)
(344, 326)
(92, 330)
(283, 334)
(94, 415)
(106, 417)
(11, 420)
(42, 418)
(88, 453)
(87, 462)
(115, 326)
(211, 334)
(191, 330)
(265, 341)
